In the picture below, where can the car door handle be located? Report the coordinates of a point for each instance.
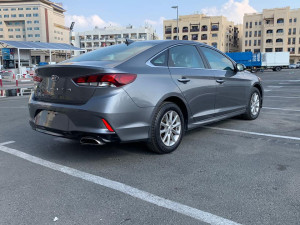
(220, 81)
(184, 80)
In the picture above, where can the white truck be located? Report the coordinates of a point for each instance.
(275, 60)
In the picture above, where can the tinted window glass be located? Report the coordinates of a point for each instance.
(185, 56)
(120, 52)
(161, 59)
(216, 60)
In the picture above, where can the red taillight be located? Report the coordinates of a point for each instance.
(108, 127)
(37, 79)
(106, 80)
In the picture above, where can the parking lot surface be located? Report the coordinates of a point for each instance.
(234, 171)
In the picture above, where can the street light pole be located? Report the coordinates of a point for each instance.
(176, 7)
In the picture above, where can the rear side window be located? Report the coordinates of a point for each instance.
(185, 56)
(161, 59)
(120, 52)
(216, 60)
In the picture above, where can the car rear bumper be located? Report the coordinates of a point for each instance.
(129, 122)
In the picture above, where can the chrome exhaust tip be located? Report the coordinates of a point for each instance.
(90, 141)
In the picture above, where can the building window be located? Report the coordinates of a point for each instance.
(0, 22)
(29, 28)
(35, 8)
(175, 37)
(269, 41)
(204, 28)
(214, 35)
(247, 50)
(294, 41)
(246, 25)
(195, 28)
(278, 49)
(279, 31)
(37, 35)
(1, 36)
(291, 20)
(269, 50)
(185, 29)
(246, 43)
(28, 15)
(29, 22)
(290, 31)
(35, 14)
(13, 9)
(214, 44)
(249, 42)
(215, 27)
(256, 50)
(30, 35)
(36, 28)
(255, 42)
(175, 30)
(255, 23)
(246, 34)
(250, 34)
(0, 16)
(279, 40)
(204, 37)
(5, 9)
(13, 15)
(20, 8)
(295, 20)
(21, 15)
(291, 50)
(28, 8)
(255, 33)
(185, 37)
(10, 30)
(11, 36)
(250, 26)
(259, 23)
(194, 37)
(281, 20)
(17, 29)
(269, 31)
(294, 30)
(18, 36)
(6, 16)
(1, 29)
(36, 21)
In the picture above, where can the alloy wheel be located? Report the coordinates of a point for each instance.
(255, 104)
(170, 128)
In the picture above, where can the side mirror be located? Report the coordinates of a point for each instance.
(240, 67)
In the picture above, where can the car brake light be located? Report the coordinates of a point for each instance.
(106, 80)
(37, 79)
(108, 127)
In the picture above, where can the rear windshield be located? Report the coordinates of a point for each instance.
(119, 52)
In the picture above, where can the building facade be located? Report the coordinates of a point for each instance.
(216, 31)
(273, 30)
(97, 38)
(33, 20)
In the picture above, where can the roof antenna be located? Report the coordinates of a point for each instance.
(128, 41)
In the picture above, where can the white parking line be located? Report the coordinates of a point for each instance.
(292, 110)
(126, 189)
(253, 133)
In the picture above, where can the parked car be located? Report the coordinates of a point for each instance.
(298, 64)
(292, 66)
(152, 91)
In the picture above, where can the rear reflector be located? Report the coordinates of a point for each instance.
(108, 127)
(106, 80)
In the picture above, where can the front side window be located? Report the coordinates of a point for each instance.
(185, 56)
(216, 60)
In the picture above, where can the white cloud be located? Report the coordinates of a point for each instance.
(157, 25)
(83, 23)
(234, 10)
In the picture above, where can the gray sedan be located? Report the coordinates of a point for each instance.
(152, 91)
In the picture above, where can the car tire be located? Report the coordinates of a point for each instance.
(253, 106)
(166, 135)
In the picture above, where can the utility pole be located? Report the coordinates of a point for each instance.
(177, 29)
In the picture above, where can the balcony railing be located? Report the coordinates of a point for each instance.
(195, 30)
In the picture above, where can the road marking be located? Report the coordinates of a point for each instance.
(292, 110)
(126, 189)
(280, 97)
(7, 143)
(253, 133)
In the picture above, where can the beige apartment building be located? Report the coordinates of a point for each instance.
(34, 20)
(273, 30)
(216, 31)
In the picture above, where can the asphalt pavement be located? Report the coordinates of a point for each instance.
(234, 171)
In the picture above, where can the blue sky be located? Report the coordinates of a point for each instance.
(90, 13)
